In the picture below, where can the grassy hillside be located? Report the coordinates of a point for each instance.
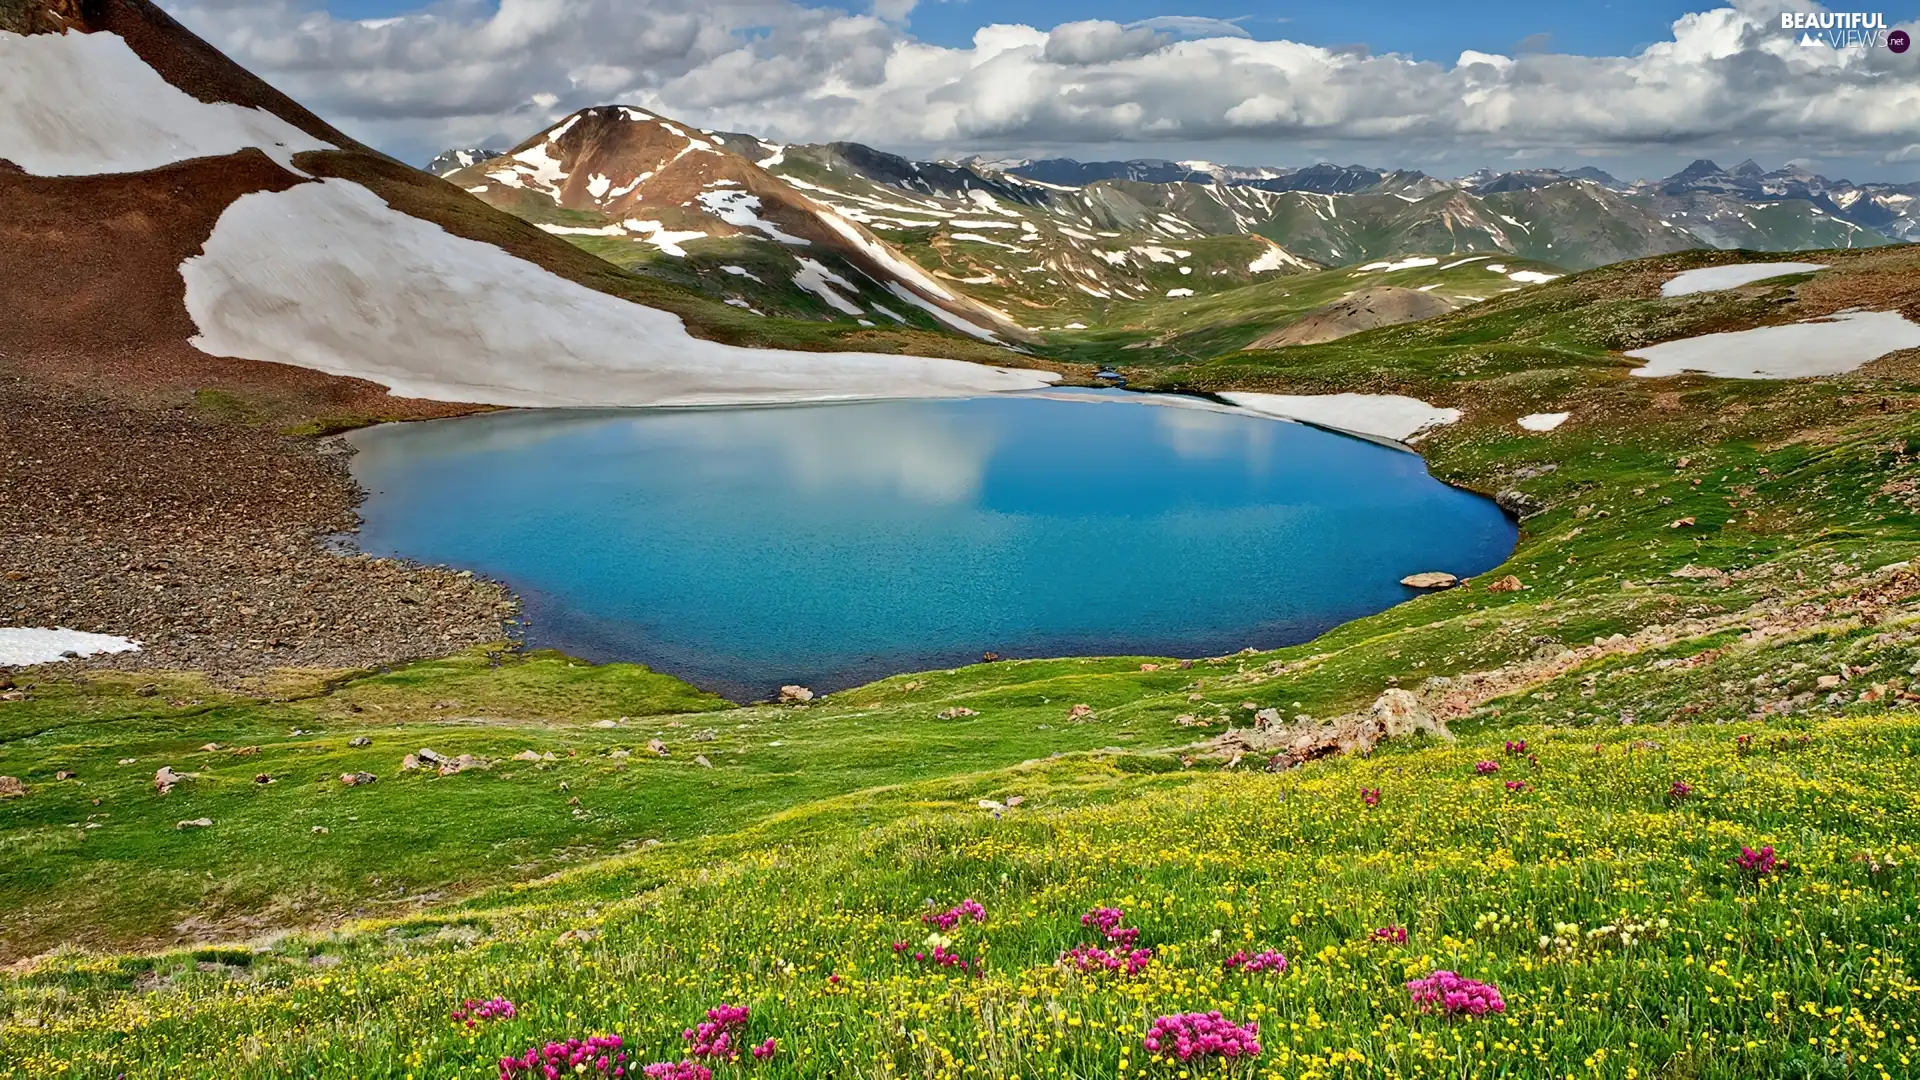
(1714, 596)
(1175, 330)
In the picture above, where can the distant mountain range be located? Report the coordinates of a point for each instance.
(843, 231)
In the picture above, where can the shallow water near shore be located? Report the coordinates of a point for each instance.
(830, 545)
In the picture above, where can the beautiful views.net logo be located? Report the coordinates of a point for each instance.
(1845, 30)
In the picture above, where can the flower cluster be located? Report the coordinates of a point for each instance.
(941, 956)
(677, 1070)
(1370, 796)
(1486, 768)
(1396, 934)
(1757, 864)
(1251, 963)
(1516, 746)
(1091, 958)
(1107, 921)
(1185, 1036)
(1519, 787)
(472, 1012)
(1451, 995)
(599, 1055)
(1681, 791)
(950, 918)
(720, 1035)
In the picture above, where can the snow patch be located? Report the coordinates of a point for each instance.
(1179, 292)
(1715, 278)
(741, 210)
(941, 314)
(817, 279)
(86, 104)
(1795, 351)
(1403, 264)
(1463, 262)
(662, 237)
(23, 646)
(1543, 421)
(1386, 416)
(327, 276)
(1532, 277)
(1275, 257)
(741, 271)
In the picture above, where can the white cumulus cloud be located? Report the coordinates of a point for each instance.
(467, 71)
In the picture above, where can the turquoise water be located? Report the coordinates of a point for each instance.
(829, 545)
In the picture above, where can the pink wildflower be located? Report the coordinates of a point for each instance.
(677, 1070)
(1758, 864)
(1253, 963)
(1395, 934)
(1680, 791)
(599, 1056)
(1185, 1036)
(720, 1034)
(1516, 746)
(1520, 787)
(1093, 958)
(766, 1049)
(950, 918)
(472, 1012)
(1107, 921)
(1485, 768)
(1451, 995)
(1370, 796)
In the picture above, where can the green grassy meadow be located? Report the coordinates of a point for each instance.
(1715, 596)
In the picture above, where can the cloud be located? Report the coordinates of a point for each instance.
(1099, 42)
(465, 72)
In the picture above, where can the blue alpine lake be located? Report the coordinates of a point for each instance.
(829, 545)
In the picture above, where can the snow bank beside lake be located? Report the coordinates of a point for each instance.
(85, 104)
(1795, 351)
(1714, 278)
(22, 646)
(327, 276)
(1385, 416)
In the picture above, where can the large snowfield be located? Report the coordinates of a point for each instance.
(23, 646)
(1795, 351)
(86, 104)
(1715, 278)
(1384, 416)
(327, 276)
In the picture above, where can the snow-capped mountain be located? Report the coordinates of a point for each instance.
(451, 160)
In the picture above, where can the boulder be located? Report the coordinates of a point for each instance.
(357, 779)
(430, 758)
(195, 823)
(955, 713)
(409, 763)
(701, 760)
(795, 695)
(1081, 711)
(1395, 714)
(527, 755)
(165, 778)
(1430, 579)
(359, 741)
(659, 748)
(11, 787)
(1505, 584)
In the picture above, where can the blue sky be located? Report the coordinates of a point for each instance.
(1426, 30)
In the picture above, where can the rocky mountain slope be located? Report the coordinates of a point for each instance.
(242, 236)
